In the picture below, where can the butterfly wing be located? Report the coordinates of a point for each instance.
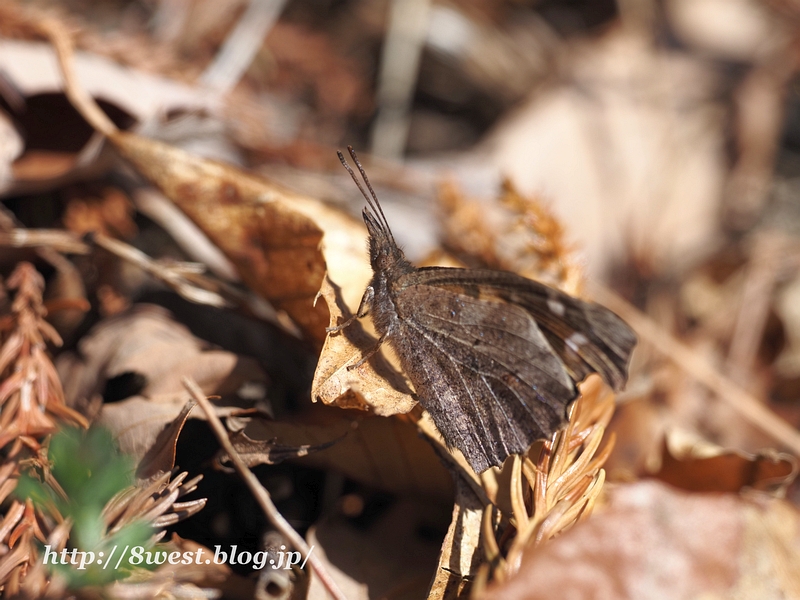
(483, 369)
(587, 337)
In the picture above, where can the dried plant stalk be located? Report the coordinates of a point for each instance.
(31, 397)
(558, 488)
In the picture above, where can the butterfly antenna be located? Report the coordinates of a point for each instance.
(355, 179)
(373, 202)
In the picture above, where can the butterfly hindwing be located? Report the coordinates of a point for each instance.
(586, 337)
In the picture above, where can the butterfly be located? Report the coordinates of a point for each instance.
(494, 357)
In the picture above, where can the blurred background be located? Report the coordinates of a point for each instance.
(656, 129)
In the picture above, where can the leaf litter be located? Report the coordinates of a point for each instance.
(363, 474)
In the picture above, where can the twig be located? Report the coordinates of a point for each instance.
(172, 276)
(260, 493)
(58, 239)
(402, 49)
(79, 98)
(761, 278)
(698, 367)
(242, 45)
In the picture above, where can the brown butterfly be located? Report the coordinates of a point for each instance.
(494, 357)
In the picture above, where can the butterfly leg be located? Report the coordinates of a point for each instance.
(363, 310)
(368, 355)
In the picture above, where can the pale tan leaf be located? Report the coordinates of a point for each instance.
(375, 385)
(461, 553)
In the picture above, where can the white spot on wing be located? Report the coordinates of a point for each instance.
(556, 307)
(575, 341)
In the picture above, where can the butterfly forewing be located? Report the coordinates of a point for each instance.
(484, 371)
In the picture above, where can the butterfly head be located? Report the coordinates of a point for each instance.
(383, 250)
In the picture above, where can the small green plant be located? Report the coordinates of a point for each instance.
(87, 471)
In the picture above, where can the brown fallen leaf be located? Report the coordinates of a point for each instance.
(146, 345)
(144, 353)
(274, 246)
(266, 452)
(160, 457)
(387, 454)
(461, 553)
(703, 467)
(652, 539)
(137, 422)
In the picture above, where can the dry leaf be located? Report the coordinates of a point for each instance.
(388, 559)
(384, 453)
(376, 385)
(267, 452)
(33, 68)
(160, 457)
(47, 118)
(698, 466)
(145, 344)
(652, 539)
(138, 422)
(461, 553)
(150, 352)
(260, 228)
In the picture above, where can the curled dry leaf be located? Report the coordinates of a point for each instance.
(460, 556)
(376, 384)
(699, 466)
(145, 349)
(267, 452)
(653, 538)
(146, 345)
(282, 243)
(387, 454)
(259, 227)
(160, 457)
